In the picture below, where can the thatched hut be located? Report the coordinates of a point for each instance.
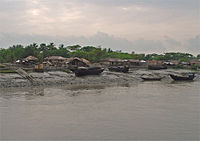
(195, 62)
(76, 62)
(171, 63)
(29, 60)
(55, 60)
(154, 62)
(136, 63)
(113, 62)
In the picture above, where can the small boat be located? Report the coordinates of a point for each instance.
(151, 78)
(123, 69)
(82, 71)
(189, 76)
(156, 67)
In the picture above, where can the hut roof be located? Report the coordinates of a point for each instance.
(47, 62)
(30, 58)
(79, 59)
(174, 61)
(55, 58)
(154, 62)
(195, 61)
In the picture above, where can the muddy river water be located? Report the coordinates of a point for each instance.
(141, 111)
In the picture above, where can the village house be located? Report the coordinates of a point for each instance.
(61, 63)
(195, 62)
(76, 62)
(113, 62)
(156, 65)
(30, 60)
(171, 63)
(57, 61)
(136, 63)
(154, 62)
(174, 62)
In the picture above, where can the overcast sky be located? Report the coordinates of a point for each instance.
(128, 25)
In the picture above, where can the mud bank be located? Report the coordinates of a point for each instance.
(62, 78)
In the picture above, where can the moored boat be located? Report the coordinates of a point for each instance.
(189, 76)
(123, 69)
(82, 71)
(157, 67)
(151, 77)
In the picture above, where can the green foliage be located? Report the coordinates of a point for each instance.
(182, 57)
(194, 67)
(198, 56)
(19, 52)
(7, 71)
(2, 66)
(12, 53)
(179, 56)
(74, 47)
(179, 66)
(91, 53)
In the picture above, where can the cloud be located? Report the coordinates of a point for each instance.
(124, 24)
(99, 39)
(193, 44)
(130, 19)
(171, 41)
(167, 44)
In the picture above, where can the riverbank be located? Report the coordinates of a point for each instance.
(62, 78)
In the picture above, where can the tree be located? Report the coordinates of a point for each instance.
(31, 50)
(43, 47)
(74, 47)
(51, 46)
(91, 53)
(89, 48)
(198, 56)
(61, 46)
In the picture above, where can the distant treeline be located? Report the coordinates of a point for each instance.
(91, 53)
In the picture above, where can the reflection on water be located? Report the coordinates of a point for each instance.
(28, 93)
(142, 111)
(85, 87)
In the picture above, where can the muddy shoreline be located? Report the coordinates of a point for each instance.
(57, 78)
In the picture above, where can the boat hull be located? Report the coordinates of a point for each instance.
(182, 78)
(119, 69)
(88, 71)
(156, 67)
(150, 79)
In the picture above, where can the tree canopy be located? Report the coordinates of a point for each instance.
(91, 53)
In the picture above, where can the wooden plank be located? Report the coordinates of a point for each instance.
(24, 74)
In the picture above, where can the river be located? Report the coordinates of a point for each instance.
(140, 111)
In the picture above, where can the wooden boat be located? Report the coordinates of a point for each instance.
(82, 71)
(123, 69)
(151, 77)
(189, 76)
(156, 67)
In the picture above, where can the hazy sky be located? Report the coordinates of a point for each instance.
(128, 25)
